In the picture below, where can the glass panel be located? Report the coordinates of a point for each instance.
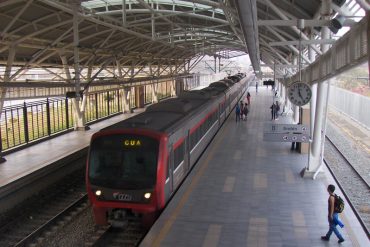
(124, 161)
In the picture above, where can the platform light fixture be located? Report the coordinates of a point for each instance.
(339, 3)
(336, 23)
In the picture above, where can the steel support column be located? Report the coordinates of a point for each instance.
(124, 13)
(153, 27)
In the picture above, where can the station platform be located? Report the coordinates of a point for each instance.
(27, 165)
(247, 192)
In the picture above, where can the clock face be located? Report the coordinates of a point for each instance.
(299, 93)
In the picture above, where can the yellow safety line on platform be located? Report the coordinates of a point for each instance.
(164, 231)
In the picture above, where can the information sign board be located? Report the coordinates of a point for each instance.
(286, 137)
(284, 128)
(286, 133)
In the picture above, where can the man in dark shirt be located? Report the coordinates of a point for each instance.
(333, 217)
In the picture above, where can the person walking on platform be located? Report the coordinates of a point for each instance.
(249, 98)
(237, 112)
(245, 111)
(333, 217)
(273, 111)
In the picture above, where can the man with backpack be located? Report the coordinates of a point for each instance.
(237, 112)
(335, 206)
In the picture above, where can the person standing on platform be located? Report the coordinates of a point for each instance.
(333, 217)
(256, 87)
(249, 98)
(237, 112)
(277, 109)
(241, 106)
(273, 111)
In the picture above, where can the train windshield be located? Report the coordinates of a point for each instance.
(123, 161)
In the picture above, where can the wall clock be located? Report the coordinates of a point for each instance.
(299, 93)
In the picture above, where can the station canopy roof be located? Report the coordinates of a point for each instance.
(156, 31)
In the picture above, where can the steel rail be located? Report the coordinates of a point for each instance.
(39, 231)
(357, 214)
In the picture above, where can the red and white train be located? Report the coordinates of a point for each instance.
(134, 166)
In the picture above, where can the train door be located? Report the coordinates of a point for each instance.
(169, 176)
(172, 163)
(219, 114)
(187, 151)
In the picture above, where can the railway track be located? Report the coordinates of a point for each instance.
(355, 187)
(42, 214)
(129, 236)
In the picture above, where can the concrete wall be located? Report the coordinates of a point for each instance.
(354, 105)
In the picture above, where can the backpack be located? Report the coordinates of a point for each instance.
(245, 111)
(338, 204)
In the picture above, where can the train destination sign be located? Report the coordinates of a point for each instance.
(132, 143)
(286, 133)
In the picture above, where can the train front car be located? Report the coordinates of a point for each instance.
(123, 174)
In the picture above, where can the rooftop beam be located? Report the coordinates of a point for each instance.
(303, 42)
(307, 23)
(284, 17)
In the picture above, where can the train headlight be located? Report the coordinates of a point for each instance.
(147, 195)
(98, 193)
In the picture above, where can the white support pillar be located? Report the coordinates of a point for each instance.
(153, 27)
(126, 100)
(119, 69)
(154, 92)
(3, 90)
(296, 108)
(79, 114)
(274, 73)
(65, 66)
(173, 88)
(89, 72)
(315, 155)
(171, 69)
(132, 69)
(215, 64)
(287, 102)
(311, 56)
(296, 114)
(368, 46)
(7, 74)
(281, 90)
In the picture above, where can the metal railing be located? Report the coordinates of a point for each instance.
(27, 123)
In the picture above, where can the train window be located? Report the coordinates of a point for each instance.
(193, 140)
(179, 155)
(123, 161)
